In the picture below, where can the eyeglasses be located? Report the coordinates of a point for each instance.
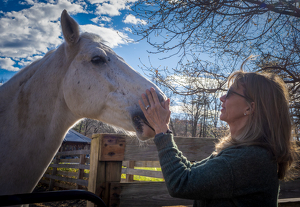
(231, 91)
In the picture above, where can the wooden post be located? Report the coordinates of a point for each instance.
(81, 171)
(129, 178)
(107, 153)
(54, 172)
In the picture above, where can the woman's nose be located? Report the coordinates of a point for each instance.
(223, 98)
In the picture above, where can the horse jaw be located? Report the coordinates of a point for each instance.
(146, 134)
(142, 128)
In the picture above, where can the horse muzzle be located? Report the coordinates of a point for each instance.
(142, 127)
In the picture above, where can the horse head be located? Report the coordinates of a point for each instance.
(100, 85)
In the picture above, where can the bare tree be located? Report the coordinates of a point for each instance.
(192, 106)
(229, 31)
(201, 109)
(88, 127)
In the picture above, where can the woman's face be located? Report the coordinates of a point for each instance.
(234, 107)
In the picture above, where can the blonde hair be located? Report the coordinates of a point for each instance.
(270, 124)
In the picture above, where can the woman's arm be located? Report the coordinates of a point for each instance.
(209, 179)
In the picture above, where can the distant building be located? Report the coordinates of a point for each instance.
(75, 141)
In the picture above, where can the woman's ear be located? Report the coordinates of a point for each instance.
(252, 107)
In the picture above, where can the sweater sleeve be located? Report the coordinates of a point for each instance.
(208, 179)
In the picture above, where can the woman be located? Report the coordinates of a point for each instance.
(247, 164)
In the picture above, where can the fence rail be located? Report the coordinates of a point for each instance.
(58, 175)
(147, 173)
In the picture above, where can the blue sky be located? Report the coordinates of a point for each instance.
(30, 28)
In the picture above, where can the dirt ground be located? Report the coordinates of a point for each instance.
(79, 203)
(70, 203)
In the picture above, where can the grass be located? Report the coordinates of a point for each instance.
(123, 176)
(144, 178)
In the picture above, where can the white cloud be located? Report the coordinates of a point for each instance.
(97, 1)
(193, 82)
(111, 8)
(7, 64)
(31, 2)
(127, 29)
(101, 19)
(95, 20)
(112, 37)
(33, 30)
(177, 109)
(130, 19)
(111, 1)
(106, 19)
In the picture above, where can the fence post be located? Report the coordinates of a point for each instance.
(129, 178)
(107, 153)
(54, 171)
(81, 171)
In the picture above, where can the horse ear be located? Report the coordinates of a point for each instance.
(70, 28)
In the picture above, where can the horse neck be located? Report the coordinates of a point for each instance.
(35, 94)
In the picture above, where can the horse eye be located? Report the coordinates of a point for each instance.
(98, 60)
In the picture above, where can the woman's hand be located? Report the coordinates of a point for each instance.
(158, 113)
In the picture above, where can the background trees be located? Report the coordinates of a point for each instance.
(88, 127)
(227, 32)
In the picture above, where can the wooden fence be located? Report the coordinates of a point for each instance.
(130, 170)
(110, 151)
(60, 175)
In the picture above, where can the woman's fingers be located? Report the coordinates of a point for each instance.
(168, 104)
(145, 100)
(150, 98)
(142, 106)
(154, 95)
(167, 108)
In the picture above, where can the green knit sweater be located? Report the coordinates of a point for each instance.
(237, 176)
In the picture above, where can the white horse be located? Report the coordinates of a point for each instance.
(81, 78)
